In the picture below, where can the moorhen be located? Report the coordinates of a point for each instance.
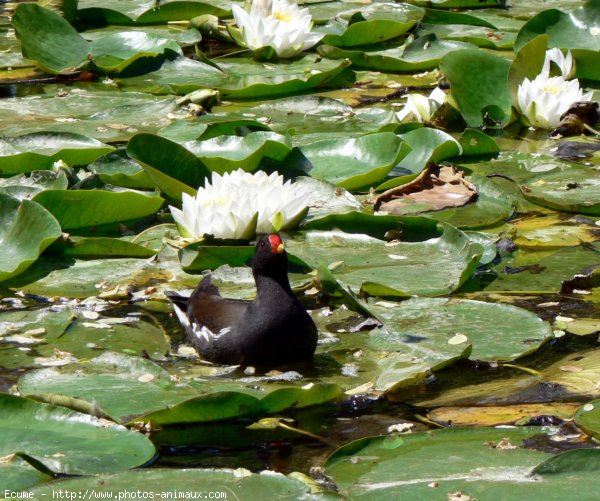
(272, 329)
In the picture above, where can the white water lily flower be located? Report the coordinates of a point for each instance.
(279, 24)
(239, 205)
(564, 63)
(544, 99)
(421, 108)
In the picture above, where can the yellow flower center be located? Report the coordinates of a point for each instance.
(282, 16)
(220, 201)
(551, 90)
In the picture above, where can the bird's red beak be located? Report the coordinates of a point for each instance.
(277, 246)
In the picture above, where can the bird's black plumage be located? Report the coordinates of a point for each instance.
(270, 330)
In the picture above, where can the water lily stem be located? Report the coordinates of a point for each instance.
(591, 129)
(304, 432)
(524, 369)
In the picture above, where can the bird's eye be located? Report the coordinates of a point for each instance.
(262, 244)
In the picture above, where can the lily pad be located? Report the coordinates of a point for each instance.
(147, 12)
(374, 23)
(576, 189)
(241, 78)
(122, 385)
(118, 169)
(25, 187)
(54, 45)
(306, 118)
(485, 464)
(75, 209)
(38, 151)
(152, 395)
(239, 483)
(427, 146)
(478, 85)
(422, 54)
(567, 30)
(588, 418)
(427, 325)
(355, 163)
(118, 52)
(95, 247)
(69, 442)
(573, 377)
(227, 153)
(483, 37)
(48, 39)
(173, 168)
(17, 474)
(392, 270)
(98, 113)
(26, 229)
(23, 331)
(504, 415)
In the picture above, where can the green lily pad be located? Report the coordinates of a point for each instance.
(496, 332)
(132, 388)
(122, 385)
(438, 16)
(542, 271)
(419, 336)
(392, 270)
(567, 30)
(306, 118)
(39, 150)
(117, 52)
(173, 168)
(25, 187)
(26, 229)
(227, 153)
(54, 45)
(75, 209)
(24, 330)
(184, 36)
(527, 64)
(588, 418)
(241, 484)
(478, 85)
(235, 401)
(428, 146)
(575, 189)
(571, 378)
(483, 37)
(147, 12)
(422, 54)
(118, 169)
(95, 247)
(241, 78)
(355, 163)
(49, 40)
(374, 23)
(114, 277)
(411, 228)
(99, 113)
(460, 4)
(69, 442)
(17, 474)
(485, 464)
(32, 339)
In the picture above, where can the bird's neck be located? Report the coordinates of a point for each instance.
(272, 284)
